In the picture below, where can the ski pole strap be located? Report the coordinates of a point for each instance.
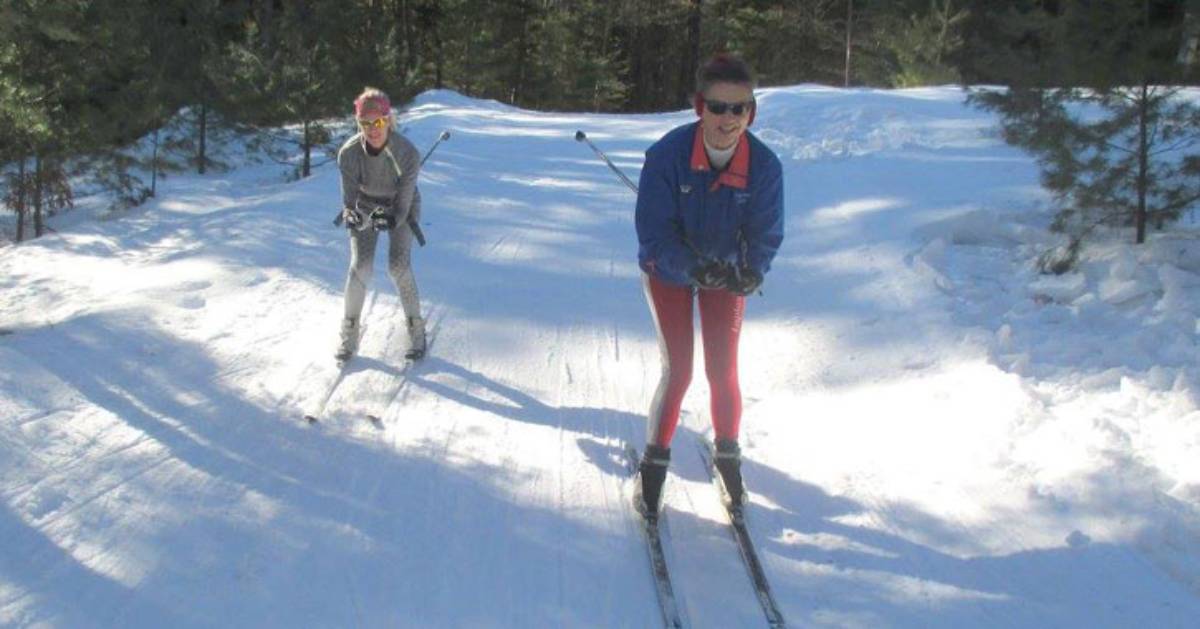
(395, 164)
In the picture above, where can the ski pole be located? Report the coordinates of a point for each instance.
(580, 136)
(444, 135)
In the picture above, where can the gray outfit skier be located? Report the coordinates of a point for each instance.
(379, 170)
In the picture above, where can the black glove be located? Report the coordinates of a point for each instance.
(746, 281)
(354, 218)
(713, 274)
(382, 220)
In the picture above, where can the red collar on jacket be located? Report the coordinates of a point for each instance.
(736, 173)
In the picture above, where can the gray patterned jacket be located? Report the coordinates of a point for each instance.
(387, 178)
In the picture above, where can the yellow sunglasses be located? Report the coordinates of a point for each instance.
(377, 123)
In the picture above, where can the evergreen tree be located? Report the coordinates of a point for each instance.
(1116, 144)
(291, 68)
(38, 103)
(923, 43)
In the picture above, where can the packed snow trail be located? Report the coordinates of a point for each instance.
(934, 436)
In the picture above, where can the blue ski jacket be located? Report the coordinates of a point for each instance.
(687, 212)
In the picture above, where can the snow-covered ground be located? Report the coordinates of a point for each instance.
(936, 436)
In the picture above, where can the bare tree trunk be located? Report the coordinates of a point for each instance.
(307, 167)
(1143, 154)
(439, 60)
(945, 15)
(604, 44)
(22, 199)
(849, 40)
(1143, 160)
(1189, 45)
(522, 62)
(38, 226)
(154, 164)
(691, 60)
(202, 151)
(402, 18)
(265, 16)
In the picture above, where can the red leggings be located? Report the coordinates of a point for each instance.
(721, 315)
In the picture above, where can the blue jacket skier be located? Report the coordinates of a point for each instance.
(709, 222)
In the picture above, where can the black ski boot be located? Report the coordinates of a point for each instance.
(652, 473)
(728, 459)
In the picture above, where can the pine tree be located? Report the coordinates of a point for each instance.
(1116, 144)
(37, 100)
(923, 43)
(291, 68)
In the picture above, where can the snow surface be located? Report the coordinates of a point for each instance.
(936, 436)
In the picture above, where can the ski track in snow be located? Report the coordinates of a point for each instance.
(935, 436)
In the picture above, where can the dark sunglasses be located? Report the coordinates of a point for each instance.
(720, 107)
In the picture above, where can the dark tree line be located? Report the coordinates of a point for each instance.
(82, 80)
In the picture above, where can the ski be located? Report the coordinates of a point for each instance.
(741, 535)
(314, 415)
(411, 359)
(672, 618)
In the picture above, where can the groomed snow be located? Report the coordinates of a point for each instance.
(936, 435)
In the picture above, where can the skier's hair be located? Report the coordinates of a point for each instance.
(723, 68)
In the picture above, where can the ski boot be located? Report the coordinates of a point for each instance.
(349, 340)
(648, 484)
(416, 339)
(728, 459)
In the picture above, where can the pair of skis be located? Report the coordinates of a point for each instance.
(410, 359)
(316, 414)
(653, 534)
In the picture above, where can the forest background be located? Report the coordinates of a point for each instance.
(111, 95)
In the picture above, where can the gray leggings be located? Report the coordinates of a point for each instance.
(362, 262)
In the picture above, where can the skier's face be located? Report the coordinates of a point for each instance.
(733, 103)
(375, 130)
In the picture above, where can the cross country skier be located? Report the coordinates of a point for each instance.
(709, 221)
(379, 194)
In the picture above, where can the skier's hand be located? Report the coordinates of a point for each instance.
(746, 281)
(354, 219)
(713, 275)
(382, 220)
